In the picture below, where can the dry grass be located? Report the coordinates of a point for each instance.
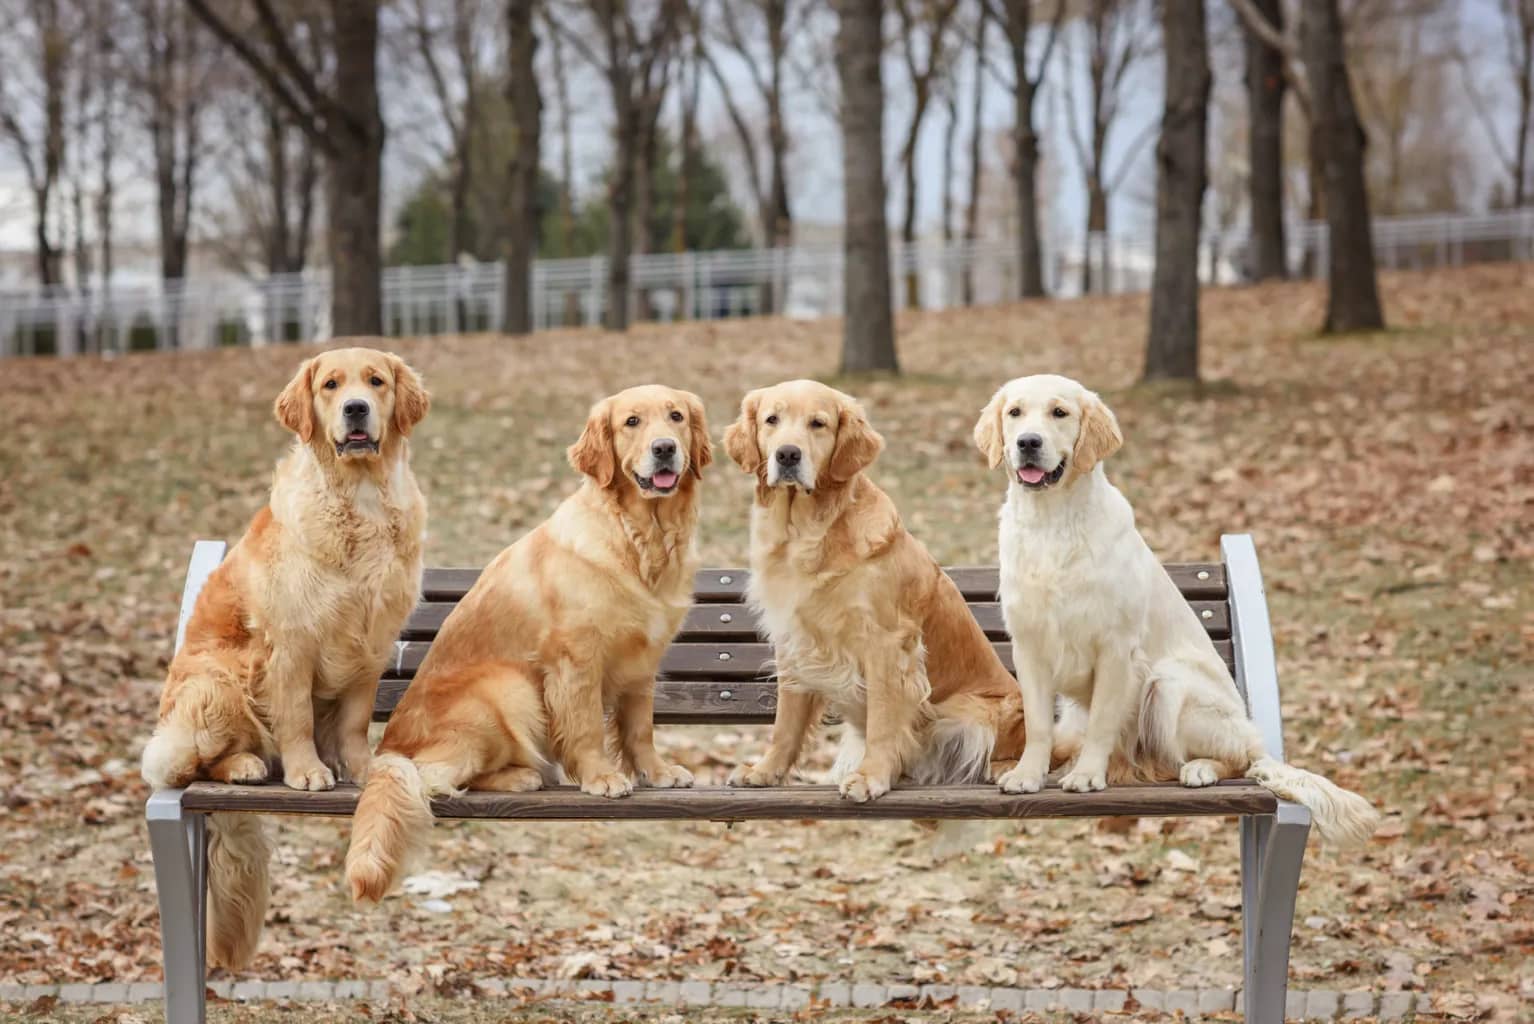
(1389, 481)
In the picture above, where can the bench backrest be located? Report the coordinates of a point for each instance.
(719, 669)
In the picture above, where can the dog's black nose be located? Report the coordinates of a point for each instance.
(355, 409)
(663, 449)
(789, 455)
(1030, 442)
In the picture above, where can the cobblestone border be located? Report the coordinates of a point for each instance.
(1316, 1004)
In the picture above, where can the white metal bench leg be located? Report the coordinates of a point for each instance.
(1272, 850)
(179, 842)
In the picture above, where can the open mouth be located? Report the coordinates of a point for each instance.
(663, 481)
(1037, 478)
(356, 441)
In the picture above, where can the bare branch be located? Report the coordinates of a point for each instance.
(1286, 48)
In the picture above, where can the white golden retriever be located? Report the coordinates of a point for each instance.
(1094, 618)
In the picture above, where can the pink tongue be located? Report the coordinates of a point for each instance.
(664, 479)
(357, 435)
(1031, 474)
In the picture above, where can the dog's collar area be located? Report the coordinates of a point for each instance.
(1036, 479)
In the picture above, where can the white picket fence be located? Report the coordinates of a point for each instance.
(802, 281)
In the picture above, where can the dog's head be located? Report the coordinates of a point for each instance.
(649, 437)
(1047, 429)
(802, 434)
(352, 402)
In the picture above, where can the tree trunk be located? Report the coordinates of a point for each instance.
(977, 119)
(620, 191)
(908, 211)
(1094, 278)
(1353, 301)
(868, 333)
(277, 243)
(355, 175)
(522, 204)
(1265, 148)
(644, 195)
(1025, 155)
(1181, 174)
(950, 143)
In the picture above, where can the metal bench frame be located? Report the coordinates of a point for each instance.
(1272, 841)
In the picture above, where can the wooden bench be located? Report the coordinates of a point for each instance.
(718, 672)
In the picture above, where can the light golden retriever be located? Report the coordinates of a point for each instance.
(1095, 618)
(569, 622)
(863, 621)
(289, 635)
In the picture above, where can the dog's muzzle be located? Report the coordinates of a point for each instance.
(1029, 467)
(663, 474)
(359, 440)
(788, 466)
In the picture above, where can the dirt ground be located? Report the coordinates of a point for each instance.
(1388, 479)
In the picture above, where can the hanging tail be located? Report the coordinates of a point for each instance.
(239, 886)
(391, 825)
(1342, 817)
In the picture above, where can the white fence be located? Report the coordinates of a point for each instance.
(803, 281)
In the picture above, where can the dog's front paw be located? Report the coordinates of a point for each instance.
(1021, 780)
(1084, 780)
(860, 789)
(1199, 773)
(671, 776)
(245, 769)
(608, 784)
(309, 776)
(753, 775)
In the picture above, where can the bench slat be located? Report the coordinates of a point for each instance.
(711, 623)
(794, 803)
(1198, 581)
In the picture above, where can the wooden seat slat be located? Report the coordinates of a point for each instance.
(1198, 581)
(715, 623)
(794, 803)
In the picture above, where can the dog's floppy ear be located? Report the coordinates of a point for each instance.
(411, 399)
(988, 429)
(700, 451)
(294, 408)
(857, 444)
(1099, 436)
(592, 453)
(740, 437)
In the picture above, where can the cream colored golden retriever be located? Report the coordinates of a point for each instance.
(862, 619)
(569, 622)
(1095, 618)
(289, 635)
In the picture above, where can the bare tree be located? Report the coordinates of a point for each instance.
(868, 331)
(925, 48)
(1517, 29)
(458, 101)
(1353, 301)
(1266, 84)
(1117, 35)
(977, 132)
(635, 63)
(345, 124)
(1181, 175)
(522, 202)
(1016, 17)
(41, 41)
(172, 81)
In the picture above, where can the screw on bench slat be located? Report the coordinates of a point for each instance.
(726, 617)
(724, 655)
(726, 695)
(1203, 574)
(1206, 613)
(726, 579)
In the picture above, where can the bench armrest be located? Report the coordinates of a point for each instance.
(1252, 633)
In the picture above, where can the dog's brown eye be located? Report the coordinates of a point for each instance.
(772, 420)
(1014, 411)
(817, 424)
(377, 382)
(330, 385)
(632, 421)
(676, 417)
(1060, 413)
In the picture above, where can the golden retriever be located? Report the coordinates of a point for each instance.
(568, 623)
(863, 621)
(289, 635)
(1094, 618)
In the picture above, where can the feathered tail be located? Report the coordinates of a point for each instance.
(1341, 817)
(392, 822)
(239, 886)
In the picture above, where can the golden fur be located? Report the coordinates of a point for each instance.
(289, 635)
(863, 621)
(569, 622)
(1095, 619)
